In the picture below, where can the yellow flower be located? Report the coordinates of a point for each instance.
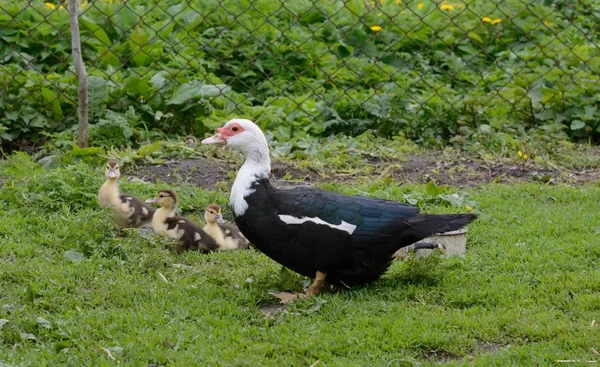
(469, 208)
(486, 19)
(379, 15)
(420, 5)
(520, 154)
(547, 23)
(398, 2)
(50, 5)
(447, 7)
(525, 156)
(376, 28)
(496, 21)
(402, 12)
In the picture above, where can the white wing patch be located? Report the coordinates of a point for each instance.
(197, 236)
(144, 210)
(344, 226)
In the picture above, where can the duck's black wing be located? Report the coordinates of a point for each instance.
(367, 220)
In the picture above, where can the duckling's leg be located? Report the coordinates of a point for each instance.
(317, 284)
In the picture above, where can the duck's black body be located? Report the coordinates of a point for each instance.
(378, 229)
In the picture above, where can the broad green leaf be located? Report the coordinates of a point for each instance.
(432, 189)
(474, 36)
(44, 323)
(191, 90)
(97, 95)
(52, 99)
(577, 124)
(74, 255)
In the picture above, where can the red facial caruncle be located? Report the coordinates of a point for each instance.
(230, 130)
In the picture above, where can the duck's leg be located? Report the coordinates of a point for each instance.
(317, 284)
(313, 289)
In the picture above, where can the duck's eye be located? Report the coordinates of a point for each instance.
(235, 129)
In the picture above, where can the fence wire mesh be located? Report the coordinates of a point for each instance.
(431, 70)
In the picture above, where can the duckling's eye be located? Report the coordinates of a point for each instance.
(235, 129)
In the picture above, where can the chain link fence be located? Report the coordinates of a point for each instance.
(434, 71)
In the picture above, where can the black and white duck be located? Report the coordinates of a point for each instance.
(188, 235)
(348, 240)
(227, 235)
(128, 211)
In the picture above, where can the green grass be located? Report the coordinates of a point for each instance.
(525, 294)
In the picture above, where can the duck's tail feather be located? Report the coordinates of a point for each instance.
(425, 225)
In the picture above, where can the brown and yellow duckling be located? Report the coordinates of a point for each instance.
(128, 211)
(227, 235)
(185, 232)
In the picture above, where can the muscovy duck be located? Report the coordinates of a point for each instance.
(128, 211)
(347, 240)
(184, 231)
(227, 235)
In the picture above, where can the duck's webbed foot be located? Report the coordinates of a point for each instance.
(313, 289)
(317, 284)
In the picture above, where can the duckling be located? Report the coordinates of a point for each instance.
(128, 211)
(227, 235)
(184, 231)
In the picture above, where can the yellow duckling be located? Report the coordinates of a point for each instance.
(185, 232)
(128, 211)
(227, 235)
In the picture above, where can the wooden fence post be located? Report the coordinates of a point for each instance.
(82, 104)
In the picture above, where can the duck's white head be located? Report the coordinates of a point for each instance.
(243, 135)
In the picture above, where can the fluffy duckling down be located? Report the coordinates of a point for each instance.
(227, 235)
(128, 211)
(188, 235)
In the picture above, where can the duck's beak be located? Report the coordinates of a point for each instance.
(152, 201)
(111, 173)
(215, 139)
(219, 218)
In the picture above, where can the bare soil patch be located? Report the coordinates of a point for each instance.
(462, 172)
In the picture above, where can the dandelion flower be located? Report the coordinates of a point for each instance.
(525, 156)
(376, 28)
(486, 19)
(50, 5)
(469, 208)
(420, 6)
(398, 2)
(520, 154)
(547, 23)
(496, 21)
(447, 7)
(402, 12)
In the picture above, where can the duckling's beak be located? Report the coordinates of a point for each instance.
(219, 218)
(111, 173)
(152, 201)
(215, 139)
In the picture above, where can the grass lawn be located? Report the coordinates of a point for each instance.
(74, 292)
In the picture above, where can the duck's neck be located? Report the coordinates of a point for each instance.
(257, 166)
(109, 193)
(163, 213)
